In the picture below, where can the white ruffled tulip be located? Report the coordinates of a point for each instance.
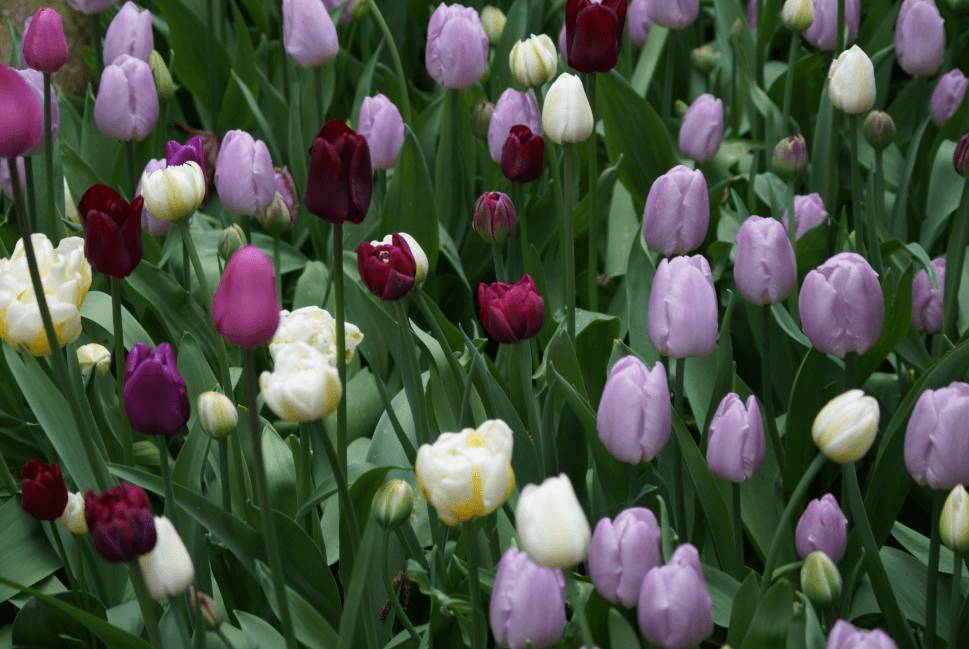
(303, 386)
(73, 516)
(533, 61)
(567, 115)
(168, 568)
(420, 259)
(552, 528)
(954, 522)
(174, 193)
(852, 85)
(469, 473)
(217, 414)
(798, 15)
(93, 355)
(845, 428)
(317, 328)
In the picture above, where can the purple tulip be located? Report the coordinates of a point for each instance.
(21, 120)
(919, 37)
(634, 416)
(765, 268)
(593, 32)
(149, 223)
(513, 108)
(927, 301)
(736, 444)
(947, 96)
(5, 181)
(286, 188)
(245, 308)
(91, 6)
(936, 443)
(674, 14)
(127, 104)
(383, 127)
(35, 80)
(129, 33)
(701, 130)
(808, 212)
(347, 16)
(457, 47)
(823, 526)
(44, 47)
(752, 13)
(845, 635)
(638, 17)
(155, 396)
(622, 552)
(841, 305)
(682, 317)
(244, 175)
(309, 33)
(677, 212)
(563, 44)
(675, 608)
(494, 217)
(527, 603)
(821, 33)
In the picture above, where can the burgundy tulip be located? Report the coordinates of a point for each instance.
(593, 33)
(511, 312)
(112, 231)
(245, 308)
(121, 523)
(387, 270)
(340, 177)
(960, 159)
(155, 396)
(44, 491)
(44, 47)
(494, 217)
(521, 157)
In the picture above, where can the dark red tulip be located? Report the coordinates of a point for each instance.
(521, 157)
(960, 159)
(155, 396)
(112, 231)
(44, 491)
(593, 33)
(121, 523)
(511, 312)
(340, 177)
(387, 270)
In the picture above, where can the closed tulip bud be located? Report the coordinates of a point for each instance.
(513, 108)
(493, 22)
(737, 29)
(393, 504)
(494, 217)
(522, 155)
(6, 184)
(879, 129)
(317, 328)
(174, 193)
(527, 603)
(533, 61)
(168, 569)
(674, 14)
(73, 516)
(127, 104)
(947, 96)
(277, 218)
(155, 396)
(919, 37)
(388, 269)
(703, 59)
(22, 120)
(383, 127)
(681, 587)
(43, 46)
(701, 131)
(682, 317)
(845, 428)
(244, 174)
(35, 80)
(309, 34)
(70, 209)
(790, 158)
(639, 22)
(511, 312)
(481, 118)
(164, 83)
(765, 268)
(622, 552)
(820, 580)
(634, 418)
(112, 231)
(44, 494)
(822, 527)
(960, 159)
(927, 301)
(677, 212)
(808, 212)
(245, 307)
(217, 414)
(457, 47)
(467, 474)
(340, 179)
(91, 6)
(954, 523)
(232, 239)
(303, 386)
(129, 33)
(568, 115)
(121, 524)
(844, 635)
(680, 108)
(736, 443)
(94, 356)
(822, 33)
(593, 32)
(852, 82)
(551, 526)
(936, 444)
(798, 14)
(212, 613)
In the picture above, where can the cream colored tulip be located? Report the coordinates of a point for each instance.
(73, 516)
(954, 523)
(798, 14)
(533, 61)
(845, 428)
(217, 414)
(551, 526)
(168, 568)
(174, 193)
(567, 115)
(93, 355)
(317, 328)
(303, 386)
(852, 82)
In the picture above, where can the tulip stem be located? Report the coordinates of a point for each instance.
(119, 370)
(954, 277)
(265, 504)
(398, 67)
(738, 531)
(413, 384)
(789, 82)
(276, 268)
(518, 200)
(841, 37)
(956, 596)
(435, 326)
(473, 586)
(98, 52)
(181, 622)
(680, 496)
(63, 554)
(129, 148)
(145, 602)
(318, 83)
(341, 346)
(166, 475)
(850, 359)
(500, 274)
(792, 235)
(593, 204)
(343, 489)
(49, 156)
(224, 470)
(767, 396)
(31, 195)
(524, 353)
(668, 81)
(305, 485)
(578, 608)
(871, 216)
(783, 527)
(569, 238)
(932, 584)
(392, 596)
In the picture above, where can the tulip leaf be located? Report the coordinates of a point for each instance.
(310, 627)
(97, 308)
(260, 632)
(744, 608)
(768, 629)
(356, 603)
(621, 632)
(898, 320)
(96, 151)
(280, 471)
(409, 205)
(639, 283)
(26, 556)
(723, 591)
(918, 546)
(897, 221)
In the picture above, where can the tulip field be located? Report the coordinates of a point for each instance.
(381, 324)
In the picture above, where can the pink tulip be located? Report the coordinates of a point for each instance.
(245, 308)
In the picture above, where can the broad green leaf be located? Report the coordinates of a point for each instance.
(898, 320)
(310, 627)
(409, 206)
(639, 283)
(621, 633)
(768, 629)
(97, 308)
(26, 555)
(744, 608)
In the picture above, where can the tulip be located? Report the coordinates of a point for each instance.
(568, 115)
(822, 527)
(244, 174)
(44, 494)
(94, 356)
(845, 428)
(73, 516)
(43, 46)
(382, 126)
(303, 386)
(393, 504)
(634, 419)
(121, 524)
(21, 120)
(551, 526)
(852, 82)
(919, 37)
(129, 33)
(513, 108)
(798, 15)
(820, 580)
(622, 552)
(348, 14)
(936, 444)
(736, 443)
(91, 6)
(808, 212)
(522, 155)
(533, 61)
(927, 301)
(844, 635)
(494, 217)
(66, 276)
(493, 22)
(232, 240)
(127, 104)
(701, 130)
(340, 176)
(467, 474)
(202, 147)
(765, 269)
(457, 47)
(481, 118)
(245, 307)
(167, 568)
(212, 613)
(5, 182)
(276, 218)
(954, 522)
(879, 129)
(70, 209)
(563, 44)
(527, 603)
(947, 96)
(420, 258)
(511, 312)
(674, 14)
(677, 212)
(593, 32)
(790, 158)
(823, 30)
(682, 317)
(155, 396)
(217, 414)
(112, 231)
(675, 608)
(286, 190)
(704, 60)
(639, 23)
(960, 158)
(317, 328)
(149, 222)
(163, 78)
(175, 191)
(309, 33)
(752, 13)
(388, 270)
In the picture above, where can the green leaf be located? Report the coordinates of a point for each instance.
(356, 594)
(408, 206)
(280, 471)
(514, 31)
(26, 555)
(310, 627)
(744, 608)
(897, 221)
(267, 130)
(97, 308)
(260, 632)
(942, 199)
(639, 283)
(621, 633)
(768, 630)
(898, 320)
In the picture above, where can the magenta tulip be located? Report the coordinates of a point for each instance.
(622, 552)
(155, 396)
(765, 268)
(21, 119)
(388, 270)
(245, 307)
(43, 46)
(511, 312)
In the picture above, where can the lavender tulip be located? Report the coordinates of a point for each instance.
(736, 443)
(634, 417)
(752, 13)
(675, 607)
(129, 33)
(244, 174)
(845, 635)
(457, 46)
(563, 44)
(765, 267)
(927, 301)
(841, 305)
(44, 47)
(309, 33)
(808, 212)
(823, 526)
(513, 108)
(622, 552)
(936, 443)
(701, 130)
(383, 127)
(127, 104)
(677, 212)
(682, 317)
(674, 14)
(347, 16)
(5, 181)
(21, 121)
(527, 603)
(822, 31)
(919, 37)
(637, 16)
(155, 396)
(35, 80)
(947, 96)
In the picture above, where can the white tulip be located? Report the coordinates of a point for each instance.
(552, 528)
(73, 516)
(845, 428)
(469, 473)
(567, 115)
(852, 85)
(303, 386)
(954, 523)
(798, 15)
(174, 193)
(533, 61)
(217, 414)
(420, 259)
(317, 328)
(93, 355)
(168, 568)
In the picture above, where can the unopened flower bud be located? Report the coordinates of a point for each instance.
(73, 516)
(879, 129)
(493, 22)
(360, 9)
(494, 217)
(820, 579)
(211, 611)
(232, 239)
(533, 61)
(393, 504)
(217, 414)
(680, 107)
(481, 118)
(790, 157)
(954, 523)
(845, 428)
(93, 355)
(960, 160)
(704, 59)
(276, 218)
(163, 78)
(735, 31)
(70, 209)
(798, 15)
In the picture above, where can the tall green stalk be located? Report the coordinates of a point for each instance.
(474, 587)
(318, 83)
(954, 602)
(413, 384)
(954, 277)
(31, 195)
(391, 595)
(98, 51)
(145, 602)
(277, 267)
(593, 204)
(738, 530)
(500, 273)
(7, 477)
(166, 476)
(768, 387)
(932, 584)
(119, 367)
(668, 82)
(341, 345)
(523, 354)
(343, 490)
(679, 496)
(569, 238)
(49, 155)
(870, 221)
(210, 55)
(789, 83)
(792, 236)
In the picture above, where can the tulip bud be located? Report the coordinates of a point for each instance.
(594, 33)
(514, 108)
(167, 568)
(820, 580)
(701, 131)
(175, 192)
(22, 120)
(935, 439)
(303, 385)
(703, 59)
(681, 587)
(927, 301)
(680, 107)
(93, 355)
(340, 179)
(822, 33)
(674, 14)
(44, 494)
(163, 78)
(533, 61)
(511, 312)
(960, 159)
(309, 34)
(639, 22)
(43, 46)
(552, 528)
(919, 37)
(616, 572)
(954, 523)
(317, 328)
(393, 504)
(634, 419)
(494, 217)
(736, 443)
(822, 526)
(844, 635)
(852, 82)
(790, 158)
(217, 414)
(765, 268)
(798, 15)
(277, 218)
(527, 603)
(211, 611)
(70, 209)
(457, 47)
(73, 516)
(245, 307)
(155, 396)
(232, 239)
(493, 23)
(359, 9)
(121, 524)
(737, 29)
(567, 116)
(481, 118)
(879, 129)
(682, 318)
(845, 428)
(127, 104)
(129, 33)
(383, 127)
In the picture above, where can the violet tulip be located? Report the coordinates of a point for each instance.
(947, 96)
(282, 212)
(155, 396)
(382, 126)
(823, 29)
(388, 270)
(634, 418)
(736, 443)
(522, 155)
(960, 157)
(808, 212)
(936, 443)
(511, 312)
(35, 80)
(845, 635)
(823, 526)
(765, 268)
(677, 212)
(927, 301)
(841, 305)
(563, 44)
(120, 521)
(675, 607)
(593, 33)
(682, 317)
(622, 552)
(127, 104)
(639, 23)
(701, 130)
(919, 37)
(752, 13)
(43, 46)
(112, 231)
(44, 494)
(6, 184)
(494, 217)
(129, 33)
(309, 34)
(340, 180)
(21, 119)
(245, 307)
(527, 603)
(89, 7)
(674, 14)
(513, 108)
(347, 16)
(244, 175)
(457, 47)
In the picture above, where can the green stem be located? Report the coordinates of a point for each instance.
(98, 52)
(391, 595)
(145, 602)
(956, 596)
(735, 98)
(789, 83)
(129, 147)
(850, 360)
(841, 40)
(738, 531)
(186, 261)
(500, 274)
(413, 383)
(341, 345)
(523, 353)
(932, 585)
(831, 181)
(318, 82)
(276, 268)
(870, 218)
(181, 622)
(668, 82)
(213, 78)
(398, 67)
(7, 477)
(924, 169)
(305, 484)
(768, 390)
(435, 326)
(63, 554)
(568, 232)
(453, 120)
(343, 489)
(31, 194)
(224, 470)
(473, 585)
(579, 609)
(553, 165)
(680, 496)
(879, 188)
(119, 365)
(954, 277)
(166, 474)
(49, 156)
(593, 205)
(518, 200)
(224, 638)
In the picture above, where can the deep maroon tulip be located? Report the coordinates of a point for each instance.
(112, 231)
(960, 159)
(155, 397)
(21, 119)
(511, 312)
(521, 157)
(593, 33)
(245, 308)
(44, 491)
(121, 523)
(494, 217)
(44, 47)
(387, 270)
(340, 178)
